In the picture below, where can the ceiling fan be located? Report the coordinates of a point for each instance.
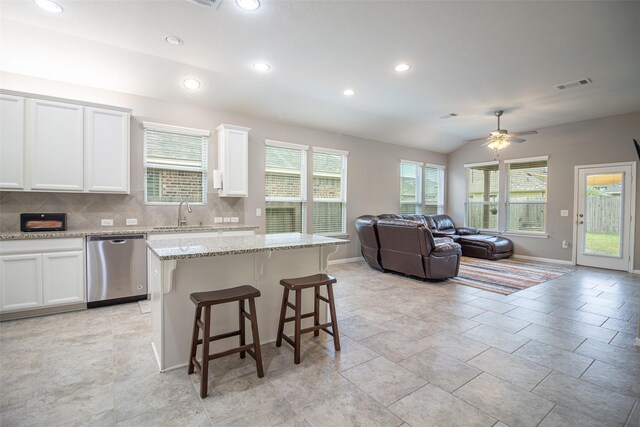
(501, 138)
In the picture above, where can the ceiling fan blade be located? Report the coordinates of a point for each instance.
(529, 132)
(485, 144)
(518, 140)
(476, 140)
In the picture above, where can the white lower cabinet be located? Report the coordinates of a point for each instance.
(41, 273)
(20, 281)
(63, 277)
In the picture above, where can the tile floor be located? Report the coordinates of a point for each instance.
(413, 353)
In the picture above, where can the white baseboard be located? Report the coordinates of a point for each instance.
(549, 260)
(636, 271)
(345, 260)
(637, 342)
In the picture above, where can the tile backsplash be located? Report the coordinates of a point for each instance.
(86, 210)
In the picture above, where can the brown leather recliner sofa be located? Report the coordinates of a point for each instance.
(407, 246)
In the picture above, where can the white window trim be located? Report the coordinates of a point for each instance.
(497, 230)
(303, 180)
(527, 160)
(444, 187)
(282, 144)
(175, 129)
(159, 127)
(420, 190)
(433, 165)
(343, 190)
(475, 165)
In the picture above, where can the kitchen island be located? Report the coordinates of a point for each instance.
(179, 267)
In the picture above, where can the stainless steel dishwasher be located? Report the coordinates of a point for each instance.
(116, 269)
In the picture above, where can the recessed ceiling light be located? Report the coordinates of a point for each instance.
(173, 40)
(261, 67)
(348, 92)
(49, 6)
(401, 68)
(248, 4)
(191, 84)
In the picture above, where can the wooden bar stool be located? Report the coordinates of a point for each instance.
(204, 300)
(298, 284)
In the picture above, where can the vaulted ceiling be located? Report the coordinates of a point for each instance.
(469, 58)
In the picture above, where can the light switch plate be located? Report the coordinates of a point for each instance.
(106, 222)
(132, 221)
(227, 219)
(258, 212)
(564, 212)
(217, 220)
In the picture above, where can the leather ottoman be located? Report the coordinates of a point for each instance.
(486, 246)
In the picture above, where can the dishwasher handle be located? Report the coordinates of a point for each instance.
(116, 239)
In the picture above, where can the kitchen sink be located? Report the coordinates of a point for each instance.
(182, 227)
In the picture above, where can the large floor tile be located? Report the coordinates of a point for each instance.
(431, 406)
(358, 328)
(554, 337)
(554, 358)
(457, 346)
(348, 406)
(393, 346)
(506, 402)
(440, 369)
(597, 402)
(351, 354)
(623, 358)
(411, 328)
(634, 418)
(581, 316)
(180, 414)
(384, 380)
(491, 305)
(449, 322)
(510, 368)
(613, 378)
(497, 338)
(500, 321)
(561, 416)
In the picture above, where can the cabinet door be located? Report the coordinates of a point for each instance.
(20, 281)
(55, 142)
(63, 277)
(233, 152)
(11, 142)
(107, 150)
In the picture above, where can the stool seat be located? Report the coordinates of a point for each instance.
(308, 281)
(224, 295)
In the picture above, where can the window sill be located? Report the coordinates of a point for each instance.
(534, 235)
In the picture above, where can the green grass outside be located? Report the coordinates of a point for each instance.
(605, 244)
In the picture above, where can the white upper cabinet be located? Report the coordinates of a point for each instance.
(233, 160)
(53, 146)
(106, 150)
(56, 145)
(11, 142)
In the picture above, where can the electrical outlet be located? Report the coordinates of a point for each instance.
(235, 219)
(564, 212)
(217, 220)
(258, 212)
(106, 222)
(565, 244)
(132, 221)
(227, 219)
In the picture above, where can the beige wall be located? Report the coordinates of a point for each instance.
(605, 140)
(373, 167)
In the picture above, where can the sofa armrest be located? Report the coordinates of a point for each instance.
(446, 249)
(467, 231)
(442, 240)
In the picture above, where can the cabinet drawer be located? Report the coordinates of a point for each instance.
(40, 245)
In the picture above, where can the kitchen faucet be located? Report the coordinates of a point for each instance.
(183, 221)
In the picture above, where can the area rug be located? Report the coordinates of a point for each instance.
(506, 276)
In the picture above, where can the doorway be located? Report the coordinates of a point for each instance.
(605, 205)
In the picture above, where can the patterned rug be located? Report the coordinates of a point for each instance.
(506, 276)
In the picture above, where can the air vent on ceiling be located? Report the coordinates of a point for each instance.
(448, 116)
(574, 83)
(207, 3)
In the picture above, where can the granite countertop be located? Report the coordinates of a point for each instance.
(107, 231)
(170, 249)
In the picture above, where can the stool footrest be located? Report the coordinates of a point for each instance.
(197, 365)
(289, 340)
(290, 305)
(316, 328)
(327, 331)
(321, 298)
(302, 316)
(230, 351)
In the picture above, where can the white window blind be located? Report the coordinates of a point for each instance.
(483, 188)
(433, 190)
(175, 164)
(285, 188)
(329, 192)
(410, 187)
(527, 196)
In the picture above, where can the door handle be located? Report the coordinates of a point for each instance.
(117, 242)
(580, 215)
(580, 222)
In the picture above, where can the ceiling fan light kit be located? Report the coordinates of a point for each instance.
(501, 138)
